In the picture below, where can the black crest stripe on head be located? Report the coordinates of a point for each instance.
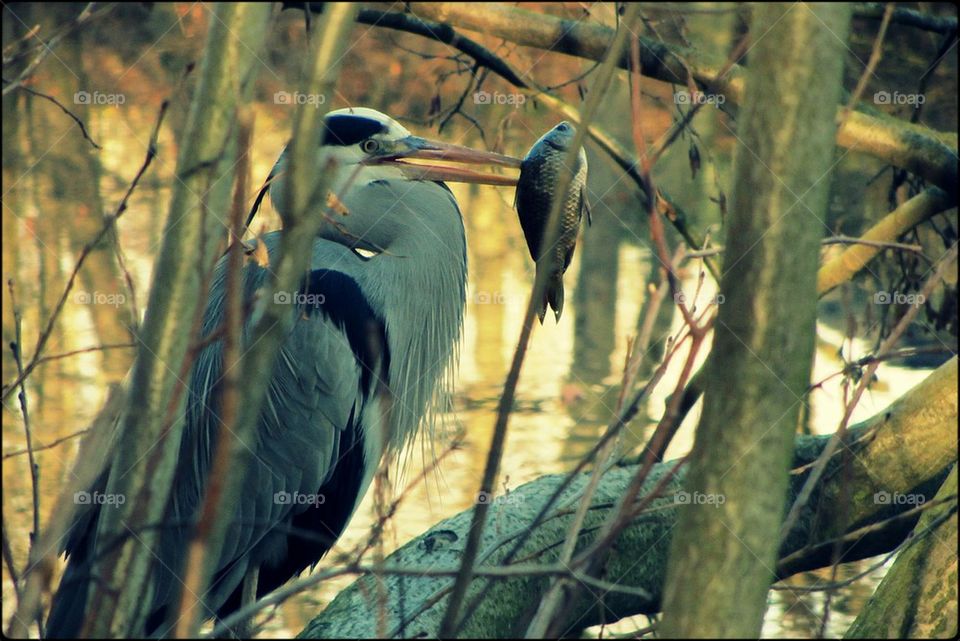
(346, 130)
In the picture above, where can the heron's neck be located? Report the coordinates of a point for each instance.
(341, 178)
(423, 285)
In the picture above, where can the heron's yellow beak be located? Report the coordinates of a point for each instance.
(421, 149)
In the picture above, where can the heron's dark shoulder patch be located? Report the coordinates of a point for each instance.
(346, 130)
(339, 299)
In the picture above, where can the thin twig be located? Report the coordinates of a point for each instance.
(450, 620)
(73, 116)
(48, 446)
(85, 252)
(20, 45)
(47, 47)
(85, 350)
(855, 368)
(948, 258)
(11, 567)
(872, 62)
(798, 557)
(848, 240)
(15, 347)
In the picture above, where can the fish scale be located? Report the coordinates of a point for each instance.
(540, 174)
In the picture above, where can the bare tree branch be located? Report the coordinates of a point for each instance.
(908, 17)
(927, 153)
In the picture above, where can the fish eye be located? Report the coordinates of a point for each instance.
(562, 126)
(370, 145)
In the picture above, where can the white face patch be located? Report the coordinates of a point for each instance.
(347, 131)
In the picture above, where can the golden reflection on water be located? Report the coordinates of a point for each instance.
(546, 433)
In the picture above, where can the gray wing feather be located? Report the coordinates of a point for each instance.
(310, 398)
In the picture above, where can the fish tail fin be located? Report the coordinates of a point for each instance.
(545, 296)
(555, 294)
(542, 307)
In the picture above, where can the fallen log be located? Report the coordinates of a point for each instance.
(907, 449)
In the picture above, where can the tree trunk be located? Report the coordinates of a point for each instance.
(918, 596)
(723, 557)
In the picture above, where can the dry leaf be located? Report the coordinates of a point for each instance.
(336, 204)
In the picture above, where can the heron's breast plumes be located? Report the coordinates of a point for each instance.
(419, 280)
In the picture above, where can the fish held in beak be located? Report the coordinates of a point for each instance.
(540, 174)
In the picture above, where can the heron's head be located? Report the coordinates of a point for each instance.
(361, 145)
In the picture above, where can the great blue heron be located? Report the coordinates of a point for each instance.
(382, 306)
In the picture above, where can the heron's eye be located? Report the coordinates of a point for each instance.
(370, 145)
